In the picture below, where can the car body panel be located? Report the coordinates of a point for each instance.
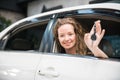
(54, 67)
(18, 65)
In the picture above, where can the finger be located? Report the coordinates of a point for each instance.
(102, 33)
(98, 27)
(86, 36)
(100, 36)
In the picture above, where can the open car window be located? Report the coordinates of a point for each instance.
(110, 43)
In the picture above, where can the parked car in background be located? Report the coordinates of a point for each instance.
(28, 50)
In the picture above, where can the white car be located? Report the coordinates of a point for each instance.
(28, 50)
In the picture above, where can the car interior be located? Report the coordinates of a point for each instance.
(110, 43)
(26, 39)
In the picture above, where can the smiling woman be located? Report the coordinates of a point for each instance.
(72, 38)
(67, 38)
(66, 25)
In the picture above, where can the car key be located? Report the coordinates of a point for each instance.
(93, 37)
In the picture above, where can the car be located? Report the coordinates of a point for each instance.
(28, 50)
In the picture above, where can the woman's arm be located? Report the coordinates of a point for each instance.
(93, 44)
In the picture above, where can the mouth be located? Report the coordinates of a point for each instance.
(67, 44)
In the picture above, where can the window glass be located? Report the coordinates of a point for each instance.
(28, 38)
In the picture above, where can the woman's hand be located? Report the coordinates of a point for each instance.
(99, 35)
(93, 44)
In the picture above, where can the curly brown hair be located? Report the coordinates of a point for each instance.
(79, 31)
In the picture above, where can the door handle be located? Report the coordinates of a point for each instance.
(48, 72)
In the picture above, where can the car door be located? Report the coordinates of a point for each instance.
(59, 66)
(69, 67)
(15, 65)
(20, 54)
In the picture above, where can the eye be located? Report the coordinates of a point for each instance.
(70, 34)
(61, 35)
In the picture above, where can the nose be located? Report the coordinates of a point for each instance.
(66, 38)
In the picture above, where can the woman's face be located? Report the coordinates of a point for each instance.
(66, 36)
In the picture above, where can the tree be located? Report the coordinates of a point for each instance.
(4, 23)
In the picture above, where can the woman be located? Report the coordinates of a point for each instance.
(71, 38)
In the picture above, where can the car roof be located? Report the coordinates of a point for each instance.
(114, 6)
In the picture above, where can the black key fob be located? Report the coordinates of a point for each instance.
(93, 37)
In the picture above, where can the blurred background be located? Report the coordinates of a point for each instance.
(14, 10)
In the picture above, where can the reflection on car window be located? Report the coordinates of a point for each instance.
(27, 39)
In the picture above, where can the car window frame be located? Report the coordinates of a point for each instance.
(22, 26)
(86, 15)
